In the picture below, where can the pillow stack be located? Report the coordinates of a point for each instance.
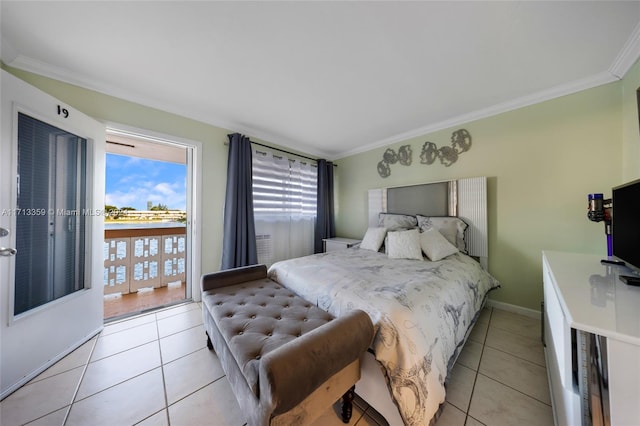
(407, 237)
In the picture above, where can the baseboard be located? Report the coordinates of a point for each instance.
(514, 308)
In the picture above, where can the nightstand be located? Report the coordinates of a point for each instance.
(337, 243)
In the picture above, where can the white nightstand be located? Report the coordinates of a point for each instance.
(337, 243)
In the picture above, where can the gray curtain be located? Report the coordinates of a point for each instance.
(239, 239)
(325, 222)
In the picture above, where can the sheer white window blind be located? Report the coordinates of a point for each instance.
(284, 203)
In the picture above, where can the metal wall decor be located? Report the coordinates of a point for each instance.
(460, 142)
(403, 156)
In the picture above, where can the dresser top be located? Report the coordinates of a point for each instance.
(592, 296)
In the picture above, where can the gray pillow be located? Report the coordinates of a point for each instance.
(396, 222)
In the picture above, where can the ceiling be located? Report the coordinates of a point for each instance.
(327, 78)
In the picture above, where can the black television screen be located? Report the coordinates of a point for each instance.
(625, 223)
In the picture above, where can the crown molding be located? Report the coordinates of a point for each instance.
(9, 53)
(628, 55)
(535, 98)
(66, 76)
(625, 59)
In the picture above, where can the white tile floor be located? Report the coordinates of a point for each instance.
(155, 369)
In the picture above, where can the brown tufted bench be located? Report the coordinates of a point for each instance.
(287, 360)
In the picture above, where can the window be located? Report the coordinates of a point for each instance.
(284, 203)
(282, 187)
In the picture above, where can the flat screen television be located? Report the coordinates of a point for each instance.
(625, 224)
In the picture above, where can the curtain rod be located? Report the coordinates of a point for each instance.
(281, 158)
(285, 151)
(288, 152)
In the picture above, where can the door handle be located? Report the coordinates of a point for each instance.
(4, 251)
(4, 232)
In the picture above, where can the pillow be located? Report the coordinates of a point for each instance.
(436, 246)
(404, 244)
(451, 227)
(373, 239)
(395, 222)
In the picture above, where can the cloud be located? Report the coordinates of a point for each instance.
(131, 182)
(170, 190)
(166, 193)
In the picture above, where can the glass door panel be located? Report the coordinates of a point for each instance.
(50, 219)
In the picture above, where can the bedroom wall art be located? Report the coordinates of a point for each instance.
(403, 156)
(460, 142)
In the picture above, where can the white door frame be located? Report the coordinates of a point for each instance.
(194, 194)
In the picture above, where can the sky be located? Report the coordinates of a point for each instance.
(132, 181)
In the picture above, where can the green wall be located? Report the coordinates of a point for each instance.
(541, 162)
(631, 127)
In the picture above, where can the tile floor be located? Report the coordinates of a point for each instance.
(148, 370)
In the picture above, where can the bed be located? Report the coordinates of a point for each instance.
(423, 310)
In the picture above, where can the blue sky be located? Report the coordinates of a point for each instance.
(132, 181)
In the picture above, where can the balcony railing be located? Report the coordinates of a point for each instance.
(143, 257)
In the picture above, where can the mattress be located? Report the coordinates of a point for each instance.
(421, 311)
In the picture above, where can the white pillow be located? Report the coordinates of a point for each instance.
(373, 239)
(404, 244)
(451, 227)
(435, 245)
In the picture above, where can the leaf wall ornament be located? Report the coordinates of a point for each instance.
(429, 153)
(383, 169)
(447, 155)
(460, 142)
(403, 156)
(390, 156)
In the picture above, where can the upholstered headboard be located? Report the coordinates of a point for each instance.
(464, 198)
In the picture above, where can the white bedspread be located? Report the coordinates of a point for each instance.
(421, 311)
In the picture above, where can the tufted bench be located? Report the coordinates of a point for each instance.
(287, 360)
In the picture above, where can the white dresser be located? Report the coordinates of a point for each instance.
(584, 295)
